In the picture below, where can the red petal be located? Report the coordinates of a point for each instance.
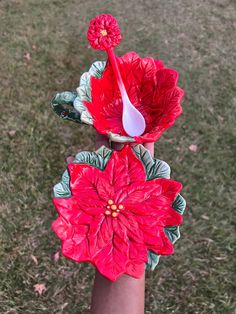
(111, 261)
(123, 169)
(69, 208)
(160, 244)
(166, 79)
(88, 186)
(134, 233)
(94, 232)
(138, 252)
(134, 269)
(62, 228)
(78, 252)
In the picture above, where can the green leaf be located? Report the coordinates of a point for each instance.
(179, 204)
(155, 168)
(64, 98)
(153, 260)
(86, 117)
(84, 93)
(62, 189)
(173, 233)
(97, 69)
(97, 159)
(78, 105)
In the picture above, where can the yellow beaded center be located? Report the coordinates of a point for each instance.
(113, 209)
(103, 32)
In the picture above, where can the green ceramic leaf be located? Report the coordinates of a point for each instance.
(155, 168)
(84, 91)
(97, 159)
(173, 233)
(78, 105)
(97, 69)
(86, 117)
(62, 189)
(179, 204)
(64, 98)
(153, 260)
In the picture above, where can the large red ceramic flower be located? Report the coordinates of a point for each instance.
(115, 216)
(104, 32)
(152, 89)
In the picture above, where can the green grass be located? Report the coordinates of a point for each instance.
(195, 37)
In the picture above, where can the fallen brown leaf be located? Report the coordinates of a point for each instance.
(12, 133)
(193, 148)
(34, 258)
(56, 256)
(27, 56)
(40, 288)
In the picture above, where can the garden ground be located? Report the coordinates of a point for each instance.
(44, 50)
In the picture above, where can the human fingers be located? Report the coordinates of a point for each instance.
(150, 147)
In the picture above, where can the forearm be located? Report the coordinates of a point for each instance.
(124, 296)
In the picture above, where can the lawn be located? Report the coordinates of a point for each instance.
(44, 50)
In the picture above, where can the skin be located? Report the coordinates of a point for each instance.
(126, 295)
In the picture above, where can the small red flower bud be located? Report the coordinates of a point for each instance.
(104, 32)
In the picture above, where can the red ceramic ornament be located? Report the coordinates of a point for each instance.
(114, 215)
(152, 89)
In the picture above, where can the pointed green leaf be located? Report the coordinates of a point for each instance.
(173, 233)
(86, 117)
(179, 204)
(97, 69)
(78, 105)
(62, 189)
(153, 260)
(155, 168)
(97, 159)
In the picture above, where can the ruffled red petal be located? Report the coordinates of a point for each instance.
(98, 25)
(116, 245)
(151, 88)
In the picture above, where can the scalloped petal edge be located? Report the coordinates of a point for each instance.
(99, 159)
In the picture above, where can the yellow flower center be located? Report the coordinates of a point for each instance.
(103, 32)
(113, 209)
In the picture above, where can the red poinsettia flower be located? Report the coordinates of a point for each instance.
(115, 216)
(152, 89)
(104, 32)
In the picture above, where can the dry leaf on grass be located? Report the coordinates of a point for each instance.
(27, 56)
(193, 148)
(56, 256)
(34, 258)
(40, 288)
(12, 133)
